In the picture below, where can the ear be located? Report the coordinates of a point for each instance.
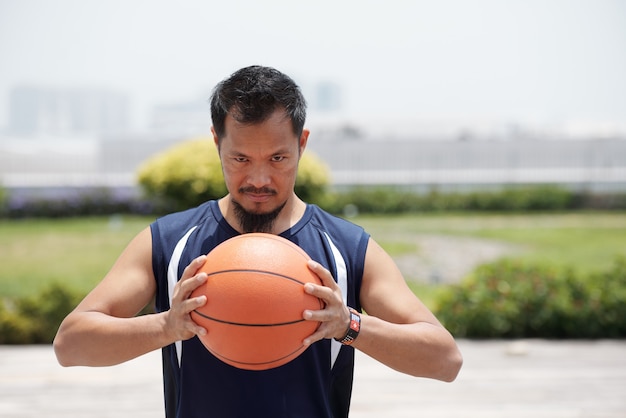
(303, 140)
(215, 139)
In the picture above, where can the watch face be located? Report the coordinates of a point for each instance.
(353, 329)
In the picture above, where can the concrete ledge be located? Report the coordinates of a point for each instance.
(534, 378)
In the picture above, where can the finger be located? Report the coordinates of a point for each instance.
(321, 292)
(316, 336)
(322, 315)
(191, 328)
(193, 267)
(187, 286)
(180, 317)
(192, 304)
(329, 291)
(323, 273)
(189, 306)
(195, 328)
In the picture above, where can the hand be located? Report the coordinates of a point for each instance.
(178, 319)
(335, 317)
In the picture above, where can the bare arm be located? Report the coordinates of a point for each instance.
(398, 330)
(103, 329)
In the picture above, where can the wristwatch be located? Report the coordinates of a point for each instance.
(353, 328)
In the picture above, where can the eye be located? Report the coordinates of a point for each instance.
(240, 159)
(278, 158)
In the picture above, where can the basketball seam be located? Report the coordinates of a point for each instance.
(271, 273)
(243, 324)
(259, 363)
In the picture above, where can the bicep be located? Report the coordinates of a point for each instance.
(129, 285)
(385, 293)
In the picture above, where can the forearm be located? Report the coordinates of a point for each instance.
(421, 349)
(97, 339)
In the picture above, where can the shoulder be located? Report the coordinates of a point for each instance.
(175, 225)
(333, 224)
(349, 238)
(170, 229)
(178, 220)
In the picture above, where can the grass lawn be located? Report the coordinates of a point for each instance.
(77, 251)
(587, 241)
(34, 253)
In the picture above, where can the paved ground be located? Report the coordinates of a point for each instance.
(535, 379)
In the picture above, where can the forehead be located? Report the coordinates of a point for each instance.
(274, 132)
(278, 117)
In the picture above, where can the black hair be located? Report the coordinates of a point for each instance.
(252, 94)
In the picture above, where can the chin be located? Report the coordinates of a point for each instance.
(259, 208)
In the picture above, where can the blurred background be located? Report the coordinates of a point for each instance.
(449, 93)
(491, 134)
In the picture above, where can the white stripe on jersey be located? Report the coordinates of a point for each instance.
(342, 281)
(172, 278)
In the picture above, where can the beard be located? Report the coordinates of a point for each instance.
(256, 222)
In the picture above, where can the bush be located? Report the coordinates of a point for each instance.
(605, 309)
(76, 202)
(374, 200)
(14, 328)
(190, 173)
(512, 199)
(511, 299)
(4, 198)
(313, 179)
(531, 198)
(186, 175)
(36, 319)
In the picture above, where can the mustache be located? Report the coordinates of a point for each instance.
(260, 190)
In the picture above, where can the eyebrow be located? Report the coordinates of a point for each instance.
(280, 151)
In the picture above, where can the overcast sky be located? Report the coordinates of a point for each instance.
(558, 63)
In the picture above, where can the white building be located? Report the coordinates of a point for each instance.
(66, 111)
(593, 165)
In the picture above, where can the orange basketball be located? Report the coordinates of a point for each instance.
(255, 299)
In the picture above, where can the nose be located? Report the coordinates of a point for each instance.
(259, 176)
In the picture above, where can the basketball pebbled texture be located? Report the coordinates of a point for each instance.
(255, 299)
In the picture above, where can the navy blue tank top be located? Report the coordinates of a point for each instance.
(316, 384)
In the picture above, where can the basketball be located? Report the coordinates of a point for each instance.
(255, 300)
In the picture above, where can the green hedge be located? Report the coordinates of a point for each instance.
(544, 197)
(186, 174)
(511, 299)
(35, 319)
(73, 202)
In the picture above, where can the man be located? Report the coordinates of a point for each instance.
(258, 118)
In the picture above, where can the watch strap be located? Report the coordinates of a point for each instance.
(353, 328)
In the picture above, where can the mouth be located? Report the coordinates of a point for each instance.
(258, 198)
(258, 195)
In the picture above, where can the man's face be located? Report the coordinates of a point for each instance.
(260, 164)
